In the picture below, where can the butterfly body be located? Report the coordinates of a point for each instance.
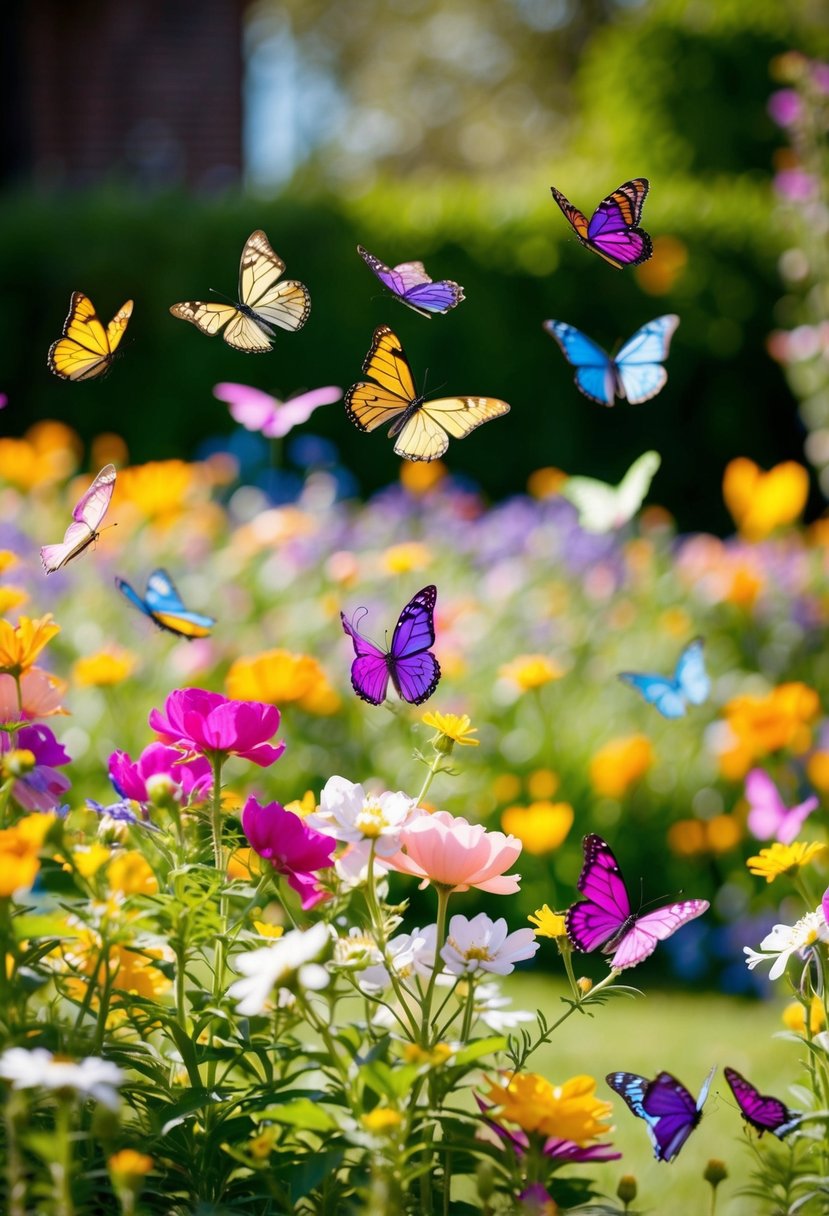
(636, 373)
(605, 918)
(86, 519)
(163, 605)
(264, 302)
(762, 1112)
(86, 349)
(408, 663)
(689, 685)
(411, 285)
(669, 1110)
(612, 231)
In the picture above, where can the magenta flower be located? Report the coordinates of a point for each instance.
(292, 848)
(42, 788)
(192, 779)
(785, 107)
(208, 723)
(797, 185)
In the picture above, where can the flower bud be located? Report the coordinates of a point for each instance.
(627, 1188)
(161, 789)
(584, 984)
(18, 762)
(715, 1172)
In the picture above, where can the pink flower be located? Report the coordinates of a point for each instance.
(41, 694)
(292, 848)
(209, 723)
(135, 778)
(797, 185)
(785, 107)
(450, 852)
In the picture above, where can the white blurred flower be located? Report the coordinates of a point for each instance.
(39, 1069)
(352, 867)
(357, 951)
(409, 954)
(273, 966)
(482, 944)
(786, 940)
(348, 813)
(491, 1007)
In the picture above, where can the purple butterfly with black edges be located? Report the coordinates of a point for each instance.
(669, 1111)
(411, 285)
(764, 1113)
(612, 230)
(413, 669)
(605, 918)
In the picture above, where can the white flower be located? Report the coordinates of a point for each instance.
(482, 944)
(274, 965)
(38, 1069)
(786, 940)
(357, 951)
(409, 954)
(349, 814)
(352, 867)
(491, 1007)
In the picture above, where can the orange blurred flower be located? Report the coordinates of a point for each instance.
(541, 826)
(619, 763)
(48, 452)
(420, 477)
(692, 837)
(160, 491)
(19, 853)
(21, 644)
(658, 275)
(760, 725)
(758, 501)
(280, 677)
(546, 482)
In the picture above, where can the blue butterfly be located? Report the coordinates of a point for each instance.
(690, 683)
(636, 372)
(163, 605)
(666, 1106)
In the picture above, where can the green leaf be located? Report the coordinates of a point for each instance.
(305, 1114)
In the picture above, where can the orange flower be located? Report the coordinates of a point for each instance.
(48, 452)
(658, 275)
(20, 645)
(546, 482)
(19, 853)
(621, 762)
(12, 597)
(130, 873)
(161, 490)
(279, 677)
(420, 478)
(690, 837)
(541, 826)
(760, 725)
(759, 502)
(568, 1112)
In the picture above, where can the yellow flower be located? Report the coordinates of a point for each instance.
(456, 727)
(7, 559)
(675, 622)
(780, 859)
(279, 677)
(690, 837)
(619, 763)
(794, 1016)
(505, 787)
(48, 452)
(405, 557)
(306, 805)
(568, 1112)
(758, 725)
(19, 853)
(540, 827)
(546, 482)
(12, 597)
(413, 1053)
(542, 784)
(547, 923)
(105, 668)
(136, 974)
(531, 671)
(266, 930)
(243, 863)
(421, 477)
(261, 1145)
(130, 873)
(160, 491)
(382, 1120)
(760, 502)
(817, 770)
(21, 644)
(129, 1166)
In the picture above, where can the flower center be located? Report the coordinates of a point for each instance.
(371, 821)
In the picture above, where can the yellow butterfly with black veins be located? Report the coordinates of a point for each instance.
(263, 302)
(86, 349)
(422, 427)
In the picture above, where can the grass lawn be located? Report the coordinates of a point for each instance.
(684, 1033)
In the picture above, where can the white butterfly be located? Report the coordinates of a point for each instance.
(601, 507)
(86, 518)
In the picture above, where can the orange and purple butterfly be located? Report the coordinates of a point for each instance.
(411, 285)
(86, 518)
(86, 350)
(612, 231)
(164, 606)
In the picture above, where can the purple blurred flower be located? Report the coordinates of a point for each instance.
(208, 723)
(41, 788)
(820, 76)
(133, 779)
(292, 848)
(536, 1200)
(785, 107)
(122, 812)
(796, 185)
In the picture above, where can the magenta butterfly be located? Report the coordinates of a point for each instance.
(764, 1113)
(258, 411)
(411, 285)
(612, 231)
(413, 669)
(769, 817)
(605, 918)
(669, 1110)
(87, 516)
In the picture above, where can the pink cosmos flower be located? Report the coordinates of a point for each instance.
(135, 778)
(292, 848)
(209, 723)
(449, 851)
(41, 694)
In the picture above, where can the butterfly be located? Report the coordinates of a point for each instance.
(258, 411)
(87, 515)
(602, 507)
(670, 1112)
(422, 427)
(671, 696)
(86, 349)
(612, 231)
(162, 603)
(605, 918)
(764, 1113)
(413, 669)
(263, 302)
(636, 373)
(769, 817)
(411, 285)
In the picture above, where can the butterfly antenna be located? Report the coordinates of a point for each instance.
(222, 295)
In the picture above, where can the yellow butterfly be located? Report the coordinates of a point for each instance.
(422, 427)
(86, 349)
(263, 302)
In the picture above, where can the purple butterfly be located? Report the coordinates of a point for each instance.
(762, 1112)
(612, 231)
(87, 515)
(769, 817)
(258, 411)
(410, 283)
(669, 1111)
(413, 668)
(604, 918)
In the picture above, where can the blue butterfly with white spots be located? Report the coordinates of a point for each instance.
(669, 1111)
(163, 605)
(672, 695)
(636, 373)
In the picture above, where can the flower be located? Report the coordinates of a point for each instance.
(531, 671)
(291, 956)
(158, 770)
(780, 859)
(278, 676)
(41, 694)
(39, 1069)
(19, 853)
(492, 1008)
(536, 1200)
(382, 1120)
(786, 940)
(759, 502)
(347, 813)
(21, 644)
(450, 852)
(453, 728)
(567, 1112)
(160, 490)
(620, 763)
(785, 107)
(548, 923)
(291, 846)
(482, 944)
(541, 827)
(407, 556)
(208, 723)
(409, 954)
(130, 873)
(40, 788)
(794, 1016)
(105, 668)
(758, 725)
(129, 1166)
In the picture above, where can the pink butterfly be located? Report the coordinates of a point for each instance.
(768, 816)
(258, 411)
(88, 513)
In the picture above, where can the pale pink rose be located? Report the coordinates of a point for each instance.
(451, 852)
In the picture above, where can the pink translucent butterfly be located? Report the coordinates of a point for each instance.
(605, 918)
(87, 516)
(258, 411)
(769, 817)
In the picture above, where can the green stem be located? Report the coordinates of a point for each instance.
(434, 768)
(440, 934)
(376, 918)
(216, 825)
(61, 1166)
(15, 1177)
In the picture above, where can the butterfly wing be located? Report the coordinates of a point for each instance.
(601, 916)
(86, 349)
(690, 674)
(574, 217)
(414, 670)
(613, 232)
(424, 435)
(371, 405)
(370, 670)
(660, 691)
(639, 362)
(241, 331)
(764, 1113)
(642, 937)
(410, 283)
(86, 516)
(286, 304)
(165, 606)
(595, 501)
(672, 1113)
(595, 376)
(132, 595)
(249, 406)
(299, 409)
